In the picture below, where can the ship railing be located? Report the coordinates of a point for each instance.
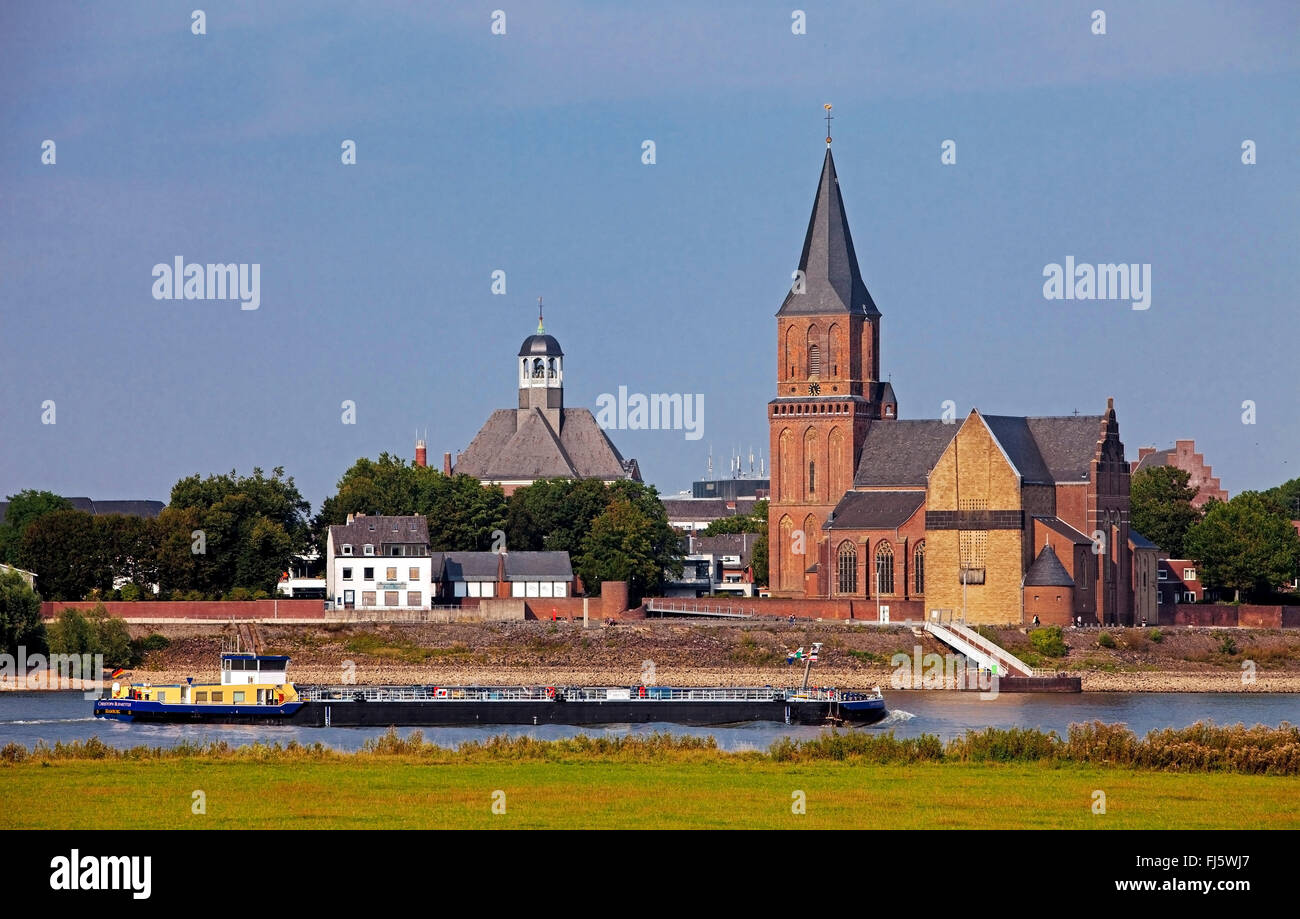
(352, 692)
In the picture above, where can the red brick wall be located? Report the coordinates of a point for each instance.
(197, 609)
(1245, 616)
(1047, 608)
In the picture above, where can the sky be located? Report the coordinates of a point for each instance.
(523, 152)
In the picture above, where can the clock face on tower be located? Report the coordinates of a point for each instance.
(814, 389)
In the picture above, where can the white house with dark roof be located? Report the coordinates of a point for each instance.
(541, 439)
(381, 562)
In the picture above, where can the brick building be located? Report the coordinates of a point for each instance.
(1184, 456)
(951, 514)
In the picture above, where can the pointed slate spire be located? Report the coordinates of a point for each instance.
(833, 282)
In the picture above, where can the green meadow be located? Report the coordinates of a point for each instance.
(1100, 776)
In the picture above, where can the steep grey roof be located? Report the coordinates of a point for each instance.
(540, 345)
(902, 452)
(519, 566)
(1067, 444)
(1060, 527)
(1047, 571)
(410, 531)
(874, 510)
(1018, 441)
(830, 265)
(505, 450)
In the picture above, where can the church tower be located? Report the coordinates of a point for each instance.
(541, 376)
(828, 392)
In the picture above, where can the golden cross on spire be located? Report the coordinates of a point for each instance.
(827, 106)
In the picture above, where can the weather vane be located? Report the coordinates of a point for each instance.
(827, 106)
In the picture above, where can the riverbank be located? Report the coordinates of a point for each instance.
(705, 654)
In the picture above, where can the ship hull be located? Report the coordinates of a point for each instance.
(452, 712)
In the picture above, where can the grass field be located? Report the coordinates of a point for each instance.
(405, 792)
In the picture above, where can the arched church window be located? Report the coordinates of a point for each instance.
(814, 361)
(884, 569)
(812, 477)
(551, 369)
(539, 368)
(918, 568)
(848, 568)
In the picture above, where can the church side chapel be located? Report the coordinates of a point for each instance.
(961, 516)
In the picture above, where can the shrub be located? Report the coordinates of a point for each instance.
(1156, 635)
(1105, 640)
(1049, 641)
(1228, 645)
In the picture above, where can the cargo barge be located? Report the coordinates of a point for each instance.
(255, 689)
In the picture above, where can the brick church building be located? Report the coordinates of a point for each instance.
(965, 516)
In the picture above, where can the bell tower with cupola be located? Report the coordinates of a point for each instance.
(828, 391)
(541, 376)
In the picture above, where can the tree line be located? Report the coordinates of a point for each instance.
(1246, 546)
(231, 536)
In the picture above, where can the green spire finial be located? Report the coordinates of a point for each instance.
(540, 330)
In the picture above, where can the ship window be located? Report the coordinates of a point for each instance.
(218, 697)
(200, 697)
(236, 697)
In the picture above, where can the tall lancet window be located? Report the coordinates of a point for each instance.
(814, 361)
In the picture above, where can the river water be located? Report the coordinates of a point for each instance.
(29, 717)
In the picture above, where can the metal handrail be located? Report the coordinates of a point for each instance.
(354, 693)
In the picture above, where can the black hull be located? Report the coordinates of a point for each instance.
(451, 713)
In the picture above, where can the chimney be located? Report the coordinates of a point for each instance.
(351, 517)
(446, 464)
(421, 453)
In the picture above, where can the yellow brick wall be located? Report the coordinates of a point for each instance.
(973, 468)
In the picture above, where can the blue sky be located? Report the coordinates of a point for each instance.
(522, 152)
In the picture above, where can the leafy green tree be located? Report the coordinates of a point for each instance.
(73, 633)
(1245, 545)
(63, 549)
(25, 507)
(619, 547)
(20, 615)
(1160, 507)
(1287, 497)
(554, 514)
(96, 632)
(462, 513)
(129, 547)
(758, 559)
(250, 528)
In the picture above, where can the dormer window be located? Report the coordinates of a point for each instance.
(347, 548)
(370, 549)
(372, 527)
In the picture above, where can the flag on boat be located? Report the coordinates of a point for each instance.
(117, 673)
(798, 655)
